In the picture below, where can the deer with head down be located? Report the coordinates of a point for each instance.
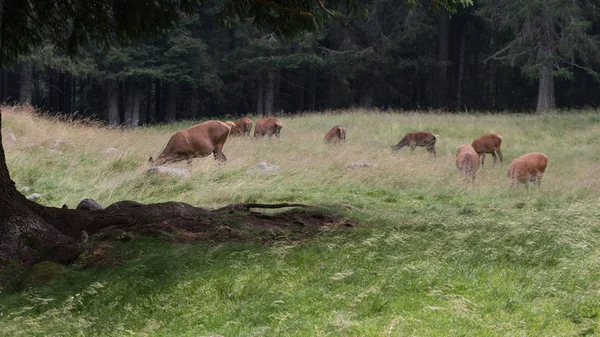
(528, 168)
(335, 135)
(242, 127)
(414, 139)
(195, 142)
(488, 144)
(467, 161)
(267, 126)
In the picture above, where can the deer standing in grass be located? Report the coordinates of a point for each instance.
(467, 161)
(488, 144)
(267, 126)
(197, 141)
(242, 127)
(528, 168)
(414, 139)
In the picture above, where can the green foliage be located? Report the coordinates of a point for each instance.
(556, 31)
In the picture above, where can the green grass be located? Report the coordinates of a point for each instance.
(432, 256)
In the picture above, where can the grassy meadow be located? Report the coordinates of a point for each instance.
(431, 256)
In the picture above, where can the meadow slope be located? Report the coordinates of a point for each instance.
(432, 255)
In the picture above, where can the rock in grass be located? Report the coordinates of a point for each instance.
(111, 151)
(264, 168)
(173, 171)
(33, 196)
(90, 205)
(10, 138)
(359, 165)
(25, 189)
(41, 273)
(60, 143)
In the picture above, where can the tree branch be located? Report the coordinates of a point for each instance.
(335, 17)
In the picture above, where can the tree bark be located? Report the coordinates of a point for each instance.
(68, 93)
(113, 105)
(171, 106)
(128, 104)
(442, 84)
(159, 114)
(260, 101)
(26, 87)
(270, 92)
(300, 89)
(545, 99)
(461, 70)
(135, 113)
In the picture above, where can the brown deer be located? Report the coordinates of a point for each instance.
(196, 141)
(467, 161)
(335, 135)
(414, 139)
(243, 126)
(528, 168)
(488, 144)
(267, 126)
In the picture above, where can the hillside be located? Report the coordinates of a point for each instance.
(431, 255)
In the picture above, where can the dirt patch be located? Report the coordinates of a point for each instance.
(236, 225)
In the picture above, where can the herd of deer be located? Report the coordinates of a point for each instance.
(209, 137)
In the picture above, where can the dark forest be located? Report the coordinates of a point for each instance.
(500, 55)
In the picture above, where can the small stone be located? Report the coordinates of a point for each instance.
(359, 164)
(55, 151)
(111, 151)
(173, 171)
(10, 137)
(89, 204)
(25, 189)
(264, 168)
(33, 196)
(61, 142)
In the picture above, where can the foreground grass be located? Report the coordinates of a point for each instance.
(433, 256)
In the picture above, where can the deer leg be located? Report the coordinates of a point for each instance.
(499, 155)
(482, 156)
(431, 149)
(494, 158)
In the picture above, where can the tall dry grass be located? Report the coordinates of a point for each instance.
(310, 170)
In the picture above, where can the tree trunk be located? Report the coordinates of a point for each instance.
(128, 104)
(60, 85)
(260, 100)
(461, 70)
(4, 84)
(135, 113)
(195, 102)
(545, 99)
(68, 93)
(159, 112)
(113, 105)
(26, 87)
(442, 84)
(270, 92)
(171, 106)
